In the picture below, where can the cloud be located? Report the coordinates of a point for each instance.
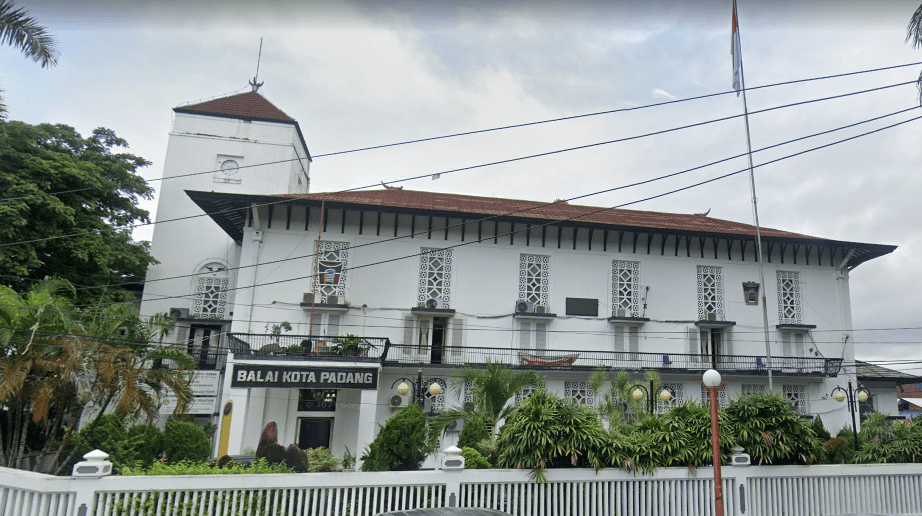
(663, 93)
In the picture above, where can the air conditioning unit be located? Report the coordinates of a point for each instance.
(468, 405)
(622, 312)
(434, 303)
(523, 307)
(455, 426)
(540, 309)
(333, 300)
(307, 298)
(399, 401)
(179, 313)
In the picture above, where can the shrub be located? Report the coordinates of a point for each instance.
(884, 441)
(147, 444)
(473, 433)
(321, 459)
(770, 430)
(473, 459)
(185, 442)
(402, 444)
(204, 468)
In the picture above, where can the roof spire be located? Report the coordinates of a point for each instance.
(254, 84)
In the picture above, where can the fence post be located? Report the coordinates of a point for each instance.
(452, 463)
(87, 478)
(740, 461)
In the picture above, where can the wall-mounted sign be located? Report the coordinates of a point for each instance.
(205, 383)
(248, 375)
(751, 292)
(198, 405)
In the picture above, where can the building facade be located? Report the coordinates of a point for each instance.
(389, 287)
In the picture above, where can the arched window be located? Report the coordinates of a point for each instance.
(211, 292)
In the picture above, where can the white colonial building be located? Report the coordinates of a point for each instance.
(378, 285)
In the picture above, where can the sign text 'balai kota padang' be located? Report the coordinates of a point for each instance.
(293, 377)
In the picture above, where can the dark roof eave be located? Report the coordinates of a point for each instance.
(871, 250)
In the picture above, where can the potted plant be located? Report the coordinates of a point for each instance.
(350, 345)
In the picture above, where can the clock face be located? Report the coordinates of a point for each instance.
(229, 167)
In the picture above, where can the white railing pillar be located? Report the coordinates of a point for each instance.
(740, 461)
(89, 474)
(452, 463)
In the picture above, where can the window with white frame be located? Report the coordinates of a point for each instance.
(797, 395)
(435, 277)
(532, 335)
(789, 309)
(625, 289)
(210, 301)
(710, 293)
(436, 340)
(534, 272)
(325, 324)
(330, 266)
(579, 392)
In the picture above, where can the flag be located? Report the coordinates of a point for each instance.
(736, 52)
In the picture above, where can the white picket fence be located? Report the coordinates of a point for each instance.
(754, 490)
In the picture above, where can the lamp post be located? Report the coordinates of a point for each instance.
(418, 394)
(839, 394)
(639, 392)
(711, 381)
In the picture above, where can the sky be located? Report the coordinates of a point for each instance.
(360, 74)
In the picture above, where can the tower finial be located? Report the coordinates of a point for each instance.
(254, 83)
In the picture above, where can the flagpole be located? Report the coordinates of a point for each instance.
(755, 207)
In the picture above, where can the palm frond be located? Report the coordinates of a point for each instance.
(914, 29)
(23, 32)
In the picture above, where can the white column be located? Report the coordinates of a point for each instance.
(368, 426)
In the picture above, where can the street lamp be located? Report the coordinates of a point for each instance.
(434, 389)
(711, 381)
(639, 392)
(839, 394)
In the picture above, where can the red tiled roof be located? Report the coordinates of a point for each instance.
(246, 106)
(441, 202)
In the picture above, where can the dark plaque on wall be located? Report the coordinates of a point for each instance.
(582, 306)
(751, 292)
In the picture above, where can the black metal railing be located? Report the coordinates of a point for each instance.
(322, 347)
(665, 362)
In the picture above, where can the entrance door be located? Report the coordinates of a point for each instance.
(710, 345)
(204, 344)
(438, 339)
(314, 432)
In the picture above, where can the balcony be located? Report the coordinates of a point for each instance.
(669, 363)
(307, 347)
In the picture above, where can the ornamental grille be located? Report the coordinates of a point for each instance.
(721, 397)
(752, 388)
(625, 287)
(789, 310)
(330, 267)
(435, 276)
(468, 391)
(211, 292)
(533, 278)
(710, 292)
(579, 392)
(797, 395)
(678, 398)
(525, 393)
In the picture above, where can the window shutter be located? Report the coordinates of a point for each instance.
(316, 324)
(422, 343)
(634, 339)
(727, 337)
(786, 345)
(691, 344)
(408, 323)
(182, 341)
(333, 324)
(799, 344)
(541, 335)
(525, 335)
(619, 338)
(457, 329)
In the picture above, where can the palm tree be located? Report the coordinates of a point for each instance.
(914, 36)
(20, 30)
(493, 387)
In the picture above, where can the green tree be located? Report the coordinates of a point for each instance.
(914, 37)
(23, 32)
(69, 206)
(402, 444)
(493, 387)
(771, 430)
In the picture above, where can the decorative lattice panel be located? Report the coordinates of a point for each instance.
(710, 292)
(438, 401)
(435, 276)
(678, 398)
(579, 392)
(524, 393)
(468, 391)
(331, 264)
(211, 292)
(789, 306)
(753, 388)
(534, 272)
(797, 394)
(721, 396)
(625, 287)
